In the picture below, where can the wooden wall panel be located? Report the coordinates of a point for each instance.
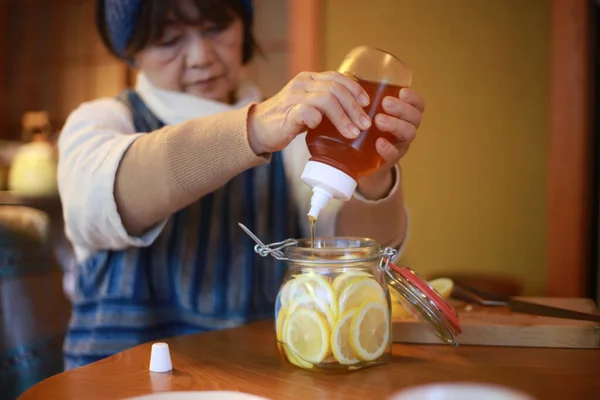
(570, 151)
(58, 63)
(305, 36)
(271, 32)
(3, 34)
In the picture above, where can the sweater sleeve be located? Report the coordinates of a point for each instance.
(118, 187)
(385, 220)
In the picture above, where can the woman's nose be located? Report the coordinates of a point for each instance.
(199, 52)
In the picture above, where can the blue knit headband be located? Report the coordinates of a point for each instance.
(121, 18)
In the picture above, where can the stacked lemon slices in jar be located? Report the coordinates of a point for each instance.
(339, 322)
(333, 322)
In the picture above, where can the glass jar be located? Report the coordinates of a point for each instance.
(333, 309)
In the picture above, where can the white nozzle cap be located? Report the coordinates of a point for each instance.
(160, 358)
(327, 183)
(318, 201)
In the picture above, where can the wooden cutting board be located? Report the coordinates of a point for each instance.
(498, 326)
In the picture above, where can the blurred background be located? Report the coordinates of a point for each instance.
(477, 178)
(502, 181)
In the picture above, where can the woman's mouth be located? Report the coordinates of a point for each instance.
(203, 83)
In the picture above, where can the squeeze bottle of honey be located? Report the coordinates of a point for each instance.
(337, 162)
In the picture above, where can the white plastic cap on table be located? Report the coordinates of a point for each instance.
(160, 358)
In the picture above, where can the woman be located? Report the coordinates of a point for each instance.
(154, 181)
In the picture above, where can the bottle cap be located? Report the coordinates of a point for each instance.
(327, 183)
(160, 358)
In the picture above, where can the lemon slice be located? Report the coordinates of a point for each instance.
(318, 287)
(295, 360)
(340, 339)
(394, 295)
(398, 309)
(283, 349)
(370, 331)
(284, 297)
(400, 312)
(303, 301)
(306, 333)
(280, 323)
(315, 304)
(343, 280)
(360, 292)
(443, 286)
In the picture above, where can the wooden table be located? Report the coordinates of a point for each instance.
(245, 359)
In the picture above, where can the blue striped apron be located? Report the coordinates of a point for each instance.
(200, 274)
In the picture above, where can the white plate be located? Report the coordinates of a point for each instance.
(460, 391)
(203, 395)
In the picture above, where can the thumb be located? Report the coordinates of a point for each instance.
(303, 116)
(388, 152)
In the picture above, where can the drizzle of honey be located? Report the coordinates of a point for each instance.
(312, 222)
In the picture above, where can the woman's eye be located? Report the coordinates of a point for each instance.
(214, 30)
(169, 40)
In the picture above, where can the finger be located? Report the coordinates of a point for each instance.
(352, 108)
(403, 130)
(402, 110)
(352, 85)
(413, 98)
(328, 104)
(388, 152)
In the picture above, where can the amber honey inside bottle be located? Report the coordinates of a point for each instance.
(356, 157)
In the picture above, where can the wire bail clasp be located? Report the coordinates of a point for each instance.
(273, 249)
(388, 255)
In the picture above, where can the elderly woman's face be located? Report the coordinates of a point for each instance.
(203, 60)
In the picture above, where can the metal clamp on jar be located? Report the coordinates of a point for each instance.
(333, 309)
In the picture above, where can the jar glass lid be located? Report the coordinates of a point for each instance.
(423, 301)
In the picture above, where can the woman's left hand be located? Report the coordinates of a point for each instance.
(402, 118)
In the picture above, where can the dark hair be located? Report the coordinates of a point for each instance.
(153, 16)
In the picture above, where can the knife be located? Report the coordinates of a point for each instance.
(484, 298)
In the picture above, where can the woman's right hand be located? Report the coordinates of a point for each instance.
(302, 104)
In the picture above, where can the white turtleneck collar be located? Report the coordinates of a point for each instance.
(175, 107)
